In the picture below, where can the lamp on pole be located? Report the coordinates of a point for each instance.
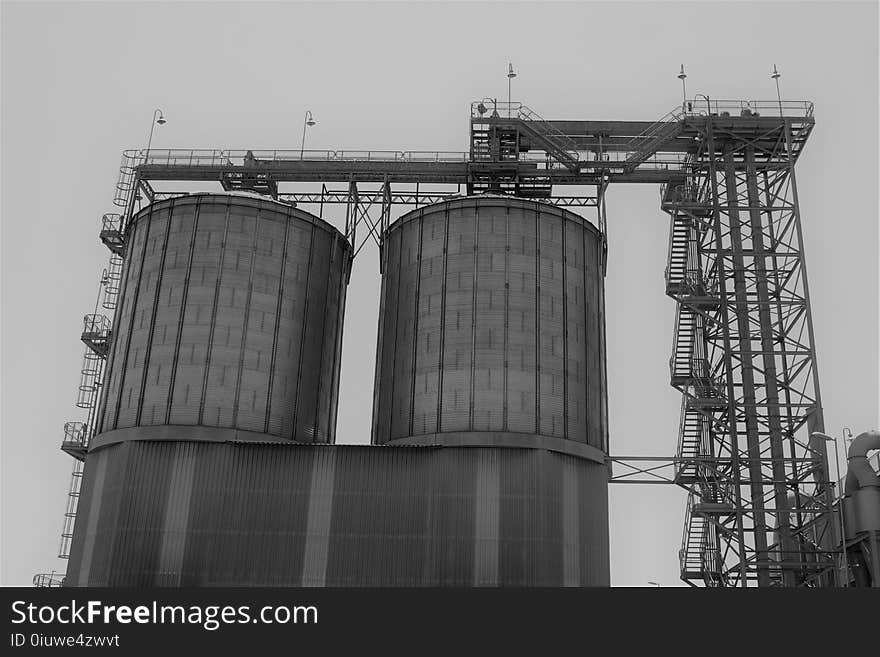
(681, 76)
(708, 103)
(308, 121)
(510, 76)
(844, 566)
(158, 118)
(776, 75)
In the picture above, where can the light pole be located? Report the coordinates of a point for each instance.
(159, 118)
(308, 121)
(510, 76)
(775, 75)
(844, 567)
(681, 76)
(708, 104)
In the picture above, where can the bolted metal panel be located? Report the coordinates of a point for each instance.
(230, 316)
(492, 319)
(193, 513)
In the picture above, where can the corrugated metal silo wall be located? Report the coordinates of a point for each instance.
(492, 320)
(230, 315)
(188, 513)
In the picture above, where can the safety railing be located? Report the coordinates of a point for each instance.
(76, 436)
(111, 232)
(111, 222)
(97, 325)
(557, 137)
(683, 194)
(656, 131)
(489, 108)
(48, 580)
(700, 368)
(687, 448)
(223, 158)
(713, 565)
(745, 108)
(695, 283)
(247, 157)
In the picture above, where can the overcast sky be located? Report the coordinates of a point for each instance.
(80, 82)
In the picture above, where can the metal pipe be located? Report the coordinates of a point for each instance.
(860, 478)
(775, 75)
(308, 120)
(160, 119)
(860, 474)
(844, 565)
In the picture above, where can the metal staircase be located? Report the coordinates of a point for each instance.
(699, 556)
(681, 364)
(689, 367)
(553, 141)
(645, 145)
(680, 229)
(693, 442)
(498, 141)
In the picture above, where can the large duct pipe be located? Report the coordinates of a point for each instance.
(859, 472)
(862, 502)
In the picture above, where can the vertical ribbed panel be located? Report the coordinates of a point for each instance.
(176, 521)
(230, 316)
(88, 516)
(486, 520)
(491, 320)
(318, 523)
(570, 525)
(221, 514)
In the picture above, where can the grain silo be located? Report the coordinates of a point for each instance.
(492, 325)
(231, 318)
(228, 333)
(491, 349)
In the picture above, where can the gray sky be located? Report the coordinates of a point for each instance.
(80, 82)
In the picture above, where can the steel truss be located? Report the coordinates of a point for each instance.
(759, 509)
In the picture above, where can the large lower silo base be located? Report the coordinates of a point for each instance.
(202, 513)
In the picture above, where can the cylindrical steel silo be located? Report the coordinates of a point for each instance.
(509, 486)
(230, 317)
(491, 327)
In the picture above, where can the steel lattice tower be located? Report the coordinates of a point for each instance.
(759, 506)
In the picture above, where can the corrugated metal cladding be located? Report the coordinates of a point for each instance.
(186, 513)
(492, 319)
(230, 315)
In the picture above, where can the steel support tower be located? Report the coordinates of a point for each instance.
(759, 505)
(759, 508)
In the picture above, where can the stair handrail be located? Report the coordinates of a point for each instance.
(683, 553)
(568, 145)
(655, 131)
(682, 421)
